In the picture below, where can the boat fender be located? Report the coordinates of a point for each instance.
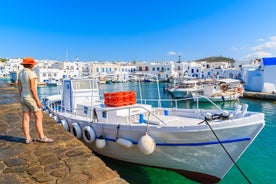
(100, 142)
(89, 134)
(76, 130)
(51, 115)
(47, 111)
(124, 142)
(146, 144)
(65, 125)
(55, 118)
(225, 114)
(208, 116)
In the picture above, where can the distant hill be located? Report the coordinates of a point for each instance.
(217, 59)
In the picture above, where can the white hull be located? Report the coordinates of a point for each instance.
(216, 98)
(193, 152)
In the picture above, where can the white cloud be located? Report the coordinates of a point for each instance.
(260, 40)
(273, 38)
(259, 54)
(171, 53)
(264, 48)
(271, 44)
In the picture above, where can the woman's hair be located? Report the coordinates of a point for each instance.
(27, 66)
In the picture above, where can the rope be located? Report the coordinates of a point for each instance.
(247, 179)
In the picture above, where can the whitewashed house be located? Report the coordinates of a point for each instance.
(11, 65)
(269, 68)
(162, 70)
(253, 79)
(262, 78)
(215, 70)
(53, 72)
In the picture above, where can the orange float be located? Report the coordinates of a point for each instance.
(121, 98)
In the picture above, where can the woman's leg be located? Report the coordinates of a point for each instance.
(38, 122)
(26, 124)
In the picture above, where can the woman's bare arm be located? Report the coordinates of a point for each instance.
(34, 91)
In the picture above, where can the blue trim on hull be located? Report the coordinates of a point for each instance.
(193, 144)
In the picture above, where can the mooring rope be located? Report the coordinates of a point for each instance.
(240, 170)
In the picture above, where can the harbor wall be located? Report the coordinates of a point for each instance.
(66, 160)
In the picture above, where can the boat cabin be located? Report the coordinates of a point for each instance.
(79, 94)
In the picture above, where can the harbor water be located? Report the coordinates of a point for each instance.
(257, 162)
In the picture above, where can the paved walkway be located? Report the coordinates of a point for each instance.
(67, 160)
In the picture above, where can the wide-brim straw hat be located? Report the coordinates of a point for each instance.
(28, 61)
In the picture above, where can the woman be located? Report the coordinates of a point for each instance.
(27, 86)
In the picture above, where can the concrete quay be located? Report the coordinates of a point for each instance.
(66, 160)
(259, 95)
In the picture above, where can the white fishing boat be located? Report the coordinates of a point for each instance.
(201, 144)
(219, 91)
(186, 88)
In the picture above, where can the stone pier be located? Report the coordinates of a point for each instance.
(67, 160)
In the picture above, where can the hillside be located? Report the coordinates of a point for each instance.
(216, 59)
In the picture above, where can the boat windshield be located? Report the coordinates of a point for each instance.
(84, 84)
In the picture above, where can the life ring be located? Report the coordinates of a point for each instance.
(146, 144)
(65, 125)
(76, 130)
(239, 89)
(89, 134)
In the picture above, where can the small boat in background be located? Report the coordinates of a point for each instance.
(219, 91)
(201, 144)
(186, 88)
(53, 82)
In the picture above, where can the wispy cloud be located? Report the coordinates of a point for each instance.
(271, 44)
(171, 53)
(259, 54)
(260, 40)
(264, 48)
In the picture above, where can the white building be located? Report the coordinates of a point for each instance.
(163, 70)
(10, 65)
(49, 71)
(262, 78)
(269, 68)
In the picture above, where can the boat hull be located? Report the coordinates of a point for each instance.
(195, 153)
(217, 98)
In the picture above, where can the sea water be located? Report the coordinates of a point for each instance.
(257, 163)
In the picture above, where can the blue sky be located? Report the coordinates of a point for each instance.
(137, 30)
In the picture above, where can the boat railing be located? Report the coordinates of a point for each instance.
(208, 99)
(146, 112)
(88, 113)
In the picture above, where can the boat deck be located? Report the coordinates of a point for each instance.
(172, 120)
(151, 120)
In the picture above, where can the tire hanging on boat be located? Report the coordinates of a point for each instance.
(76, 130)
(146, 144)
(89, 134)
(65, 125)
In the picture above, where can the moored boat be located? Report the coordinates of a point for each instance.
(219, 91)
(186, 88)
(188, 141)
